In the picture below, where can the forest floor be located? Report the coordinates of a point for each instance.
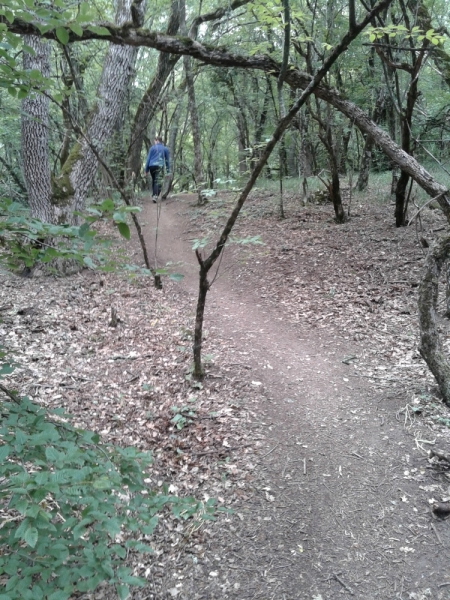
(315, 418)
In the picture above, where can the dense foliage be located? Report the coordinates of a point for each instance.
(72, 507)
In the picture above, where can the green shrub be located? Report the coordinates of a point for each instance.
(71, 507)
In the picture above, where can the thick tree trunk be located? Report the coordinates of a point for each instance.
(72, 185)
(34, 133)
(430, 343)
(343, 153)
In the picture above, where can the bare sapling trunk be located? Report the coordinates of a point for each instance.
(366, 160)
(281, 105)
(335, 192)
(326, 137)
(430, 343)
(207, 263)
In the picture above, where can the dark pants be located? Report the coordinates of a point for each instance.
(157, 177)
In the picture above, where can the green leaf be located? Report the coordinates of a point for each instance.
(98, 30)
(176, 276)
(122, 591)
(124, 230)
(107, 205)
(62, 35)
(4, 452)
(6, 369)
(76, 28)
(83, 229)
(51, 454)
(31, 536)
(59, 595)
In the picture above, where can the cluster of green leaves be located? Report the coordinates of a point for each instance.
(400, 31)
(25, 241)
(182, 415)
(72, 508)
(17, 81)
(57, 16)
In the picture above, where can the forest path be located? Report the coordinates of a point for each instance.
(336, 509)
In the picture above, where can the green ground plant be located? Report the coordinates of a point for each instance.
(72, 507)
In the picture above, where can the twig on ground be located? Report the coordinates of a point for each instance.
(11, 395)
(344, 585)
(270, 451)
(433, 527)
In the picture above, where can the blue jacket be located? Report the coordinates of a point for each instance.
(158, 156)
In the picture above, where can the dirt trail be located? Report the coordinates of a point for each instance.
(339, 506)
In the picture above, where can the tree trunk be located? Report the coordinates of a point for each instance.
(447, 290)
(430, 343)
(326, 137)
(306, 151)
(195, 129)
(406, 125)
(71, 186)
(366, 161)
(336, 197)
(147, 106)
(199, 318)
(34, 133)
(242, 142)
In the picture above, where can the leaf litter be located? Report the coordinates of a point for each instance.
(132, 383)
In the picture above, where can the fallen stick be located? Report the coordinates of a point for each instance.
(345, 586)
(433, 527)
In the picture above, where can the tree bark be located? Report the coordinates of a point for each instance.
(430, 343)
(34, 133)
(71, 186)
(195, 129)
(366, 161)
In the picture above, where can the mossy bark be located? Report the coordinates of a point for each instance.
(430, 343)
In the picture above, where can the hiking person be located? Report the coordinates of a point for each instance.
(157, 161)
